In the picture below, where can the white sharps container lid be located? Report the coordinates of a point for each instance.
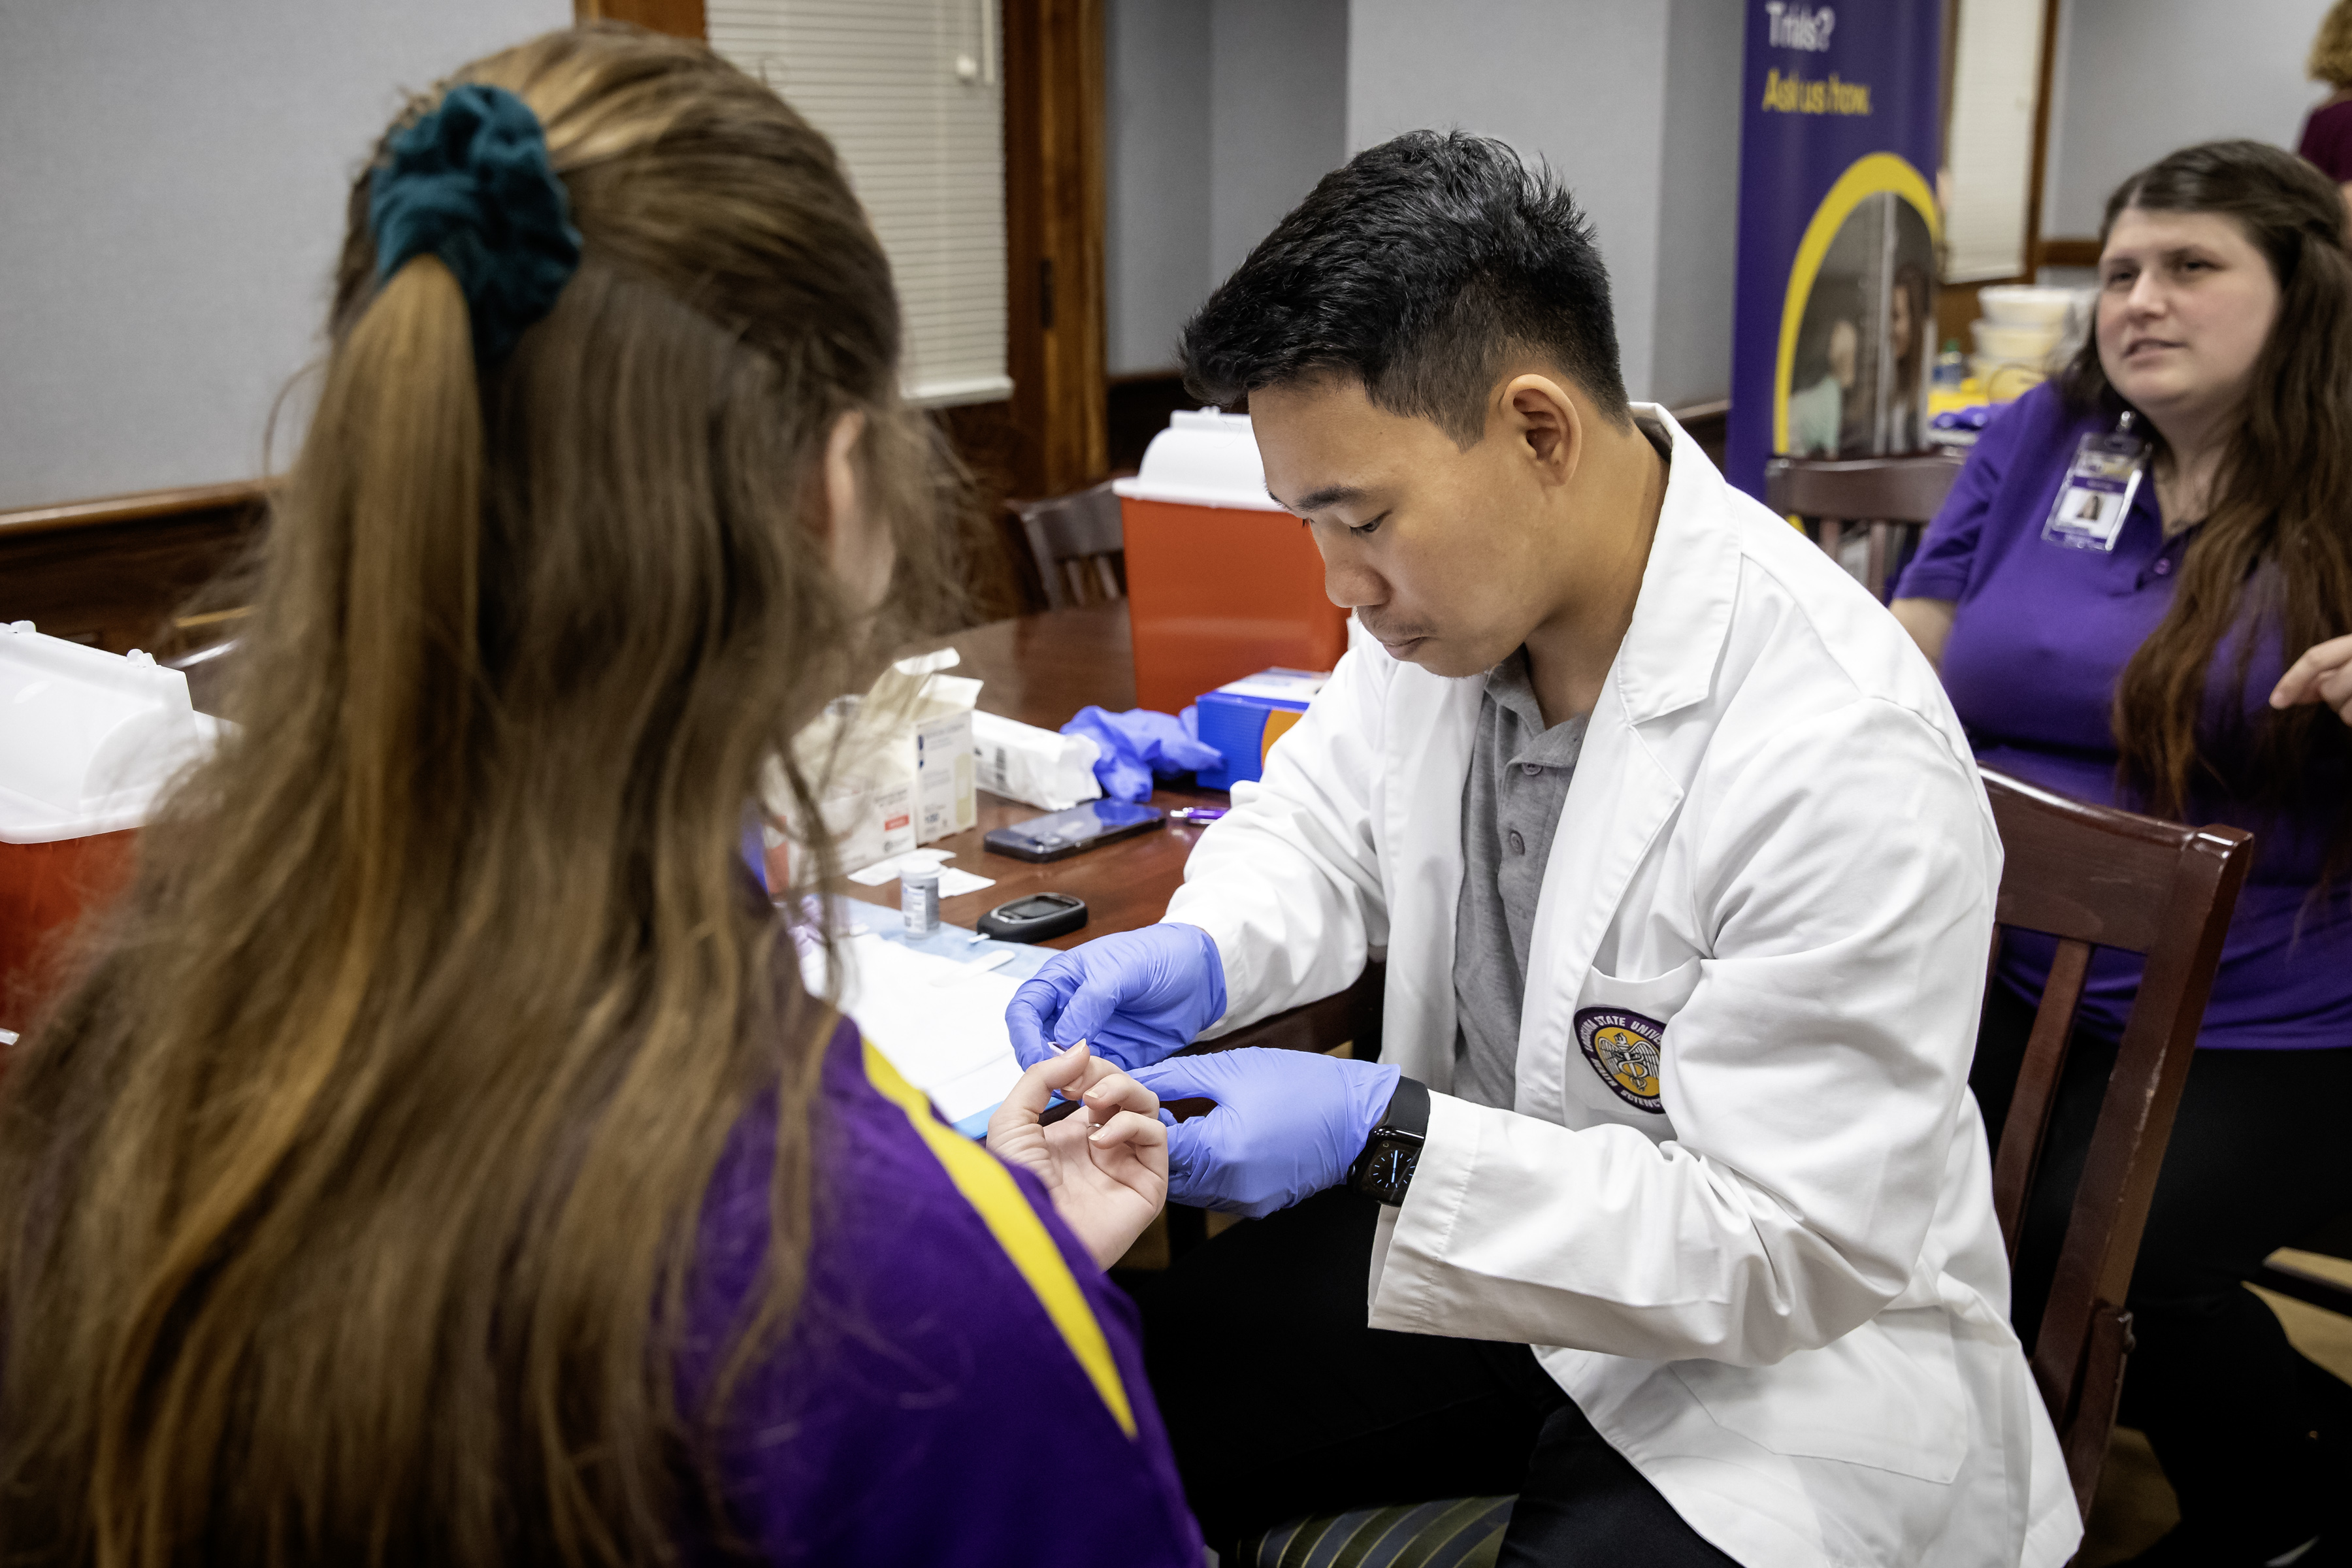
(1204, 458)
(87, 739)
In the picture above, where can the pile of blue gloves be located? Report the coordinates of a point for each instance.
(1287, 1125)
(1139, 742)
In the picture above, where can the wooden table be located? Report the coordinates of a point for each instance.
(1041, 669)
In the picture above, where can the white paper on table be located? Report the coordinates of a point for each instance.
(883, 871)
(953, 883)
(941, 1023)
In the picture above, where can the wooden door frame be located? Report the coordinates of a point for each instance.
(1056, 334)
(680, 18)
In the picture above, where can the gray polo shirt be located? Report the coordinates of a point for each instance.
(1519, 774)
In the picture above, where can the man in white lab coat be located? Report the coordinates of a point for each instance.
(1666, 1206)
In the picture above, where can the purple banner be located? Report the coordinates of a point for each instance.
(1833, 329)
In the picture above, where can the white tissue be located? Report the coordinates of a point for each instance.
(1038, 767)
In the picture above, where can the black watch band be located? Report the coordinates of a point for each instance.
(1384, 1170)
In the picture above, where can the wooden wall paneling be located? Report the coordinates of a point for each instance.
(126, 573)
(2072, 251)
(680, 18)
(1956, 307)
(1053, 221)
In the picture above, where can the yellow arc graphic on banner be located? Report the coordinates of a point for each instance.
(1865, 176)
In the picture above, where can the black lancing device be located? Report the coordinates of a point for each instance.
(1036, 918)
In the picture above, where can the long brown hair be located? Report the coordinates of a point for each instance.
(347, 1200)
(2278, 536)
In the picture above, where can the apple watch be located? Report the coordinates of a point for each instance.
(1384, 1170)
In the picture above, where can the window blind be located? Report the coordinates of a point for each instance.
(1995, 78)
(910, 92)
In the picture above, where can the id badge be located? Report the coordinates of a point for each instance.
(2097, 493)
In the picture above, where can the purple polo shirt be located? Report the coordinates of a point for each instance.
(926, 1405)
(2328, 139)
(2040, 635)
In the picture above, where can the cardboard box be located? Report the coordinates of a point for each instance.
(1244, 718)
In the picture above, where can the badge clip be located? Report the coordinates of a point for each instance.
(2097, 494)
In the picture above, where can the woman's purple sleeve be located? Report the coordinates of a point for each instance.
(1947, 550)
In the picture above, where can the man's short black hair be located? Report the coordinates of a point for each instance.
(1418, 269)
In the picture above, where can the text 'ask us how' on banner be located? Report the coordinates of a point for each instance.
(1833, 326)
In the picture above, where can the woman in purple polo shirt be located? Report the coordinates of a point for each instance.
(2186, 654)
(436, 1158)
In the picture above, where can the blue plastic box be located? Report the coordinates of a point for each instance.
(1244, 717)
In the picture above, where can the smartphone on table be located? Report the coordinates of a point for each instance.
(1067, 833)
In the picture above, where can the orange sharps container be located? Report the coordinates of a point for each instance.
(1220, 582)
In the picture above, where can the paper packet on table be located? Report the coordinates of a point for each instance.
(1037, 767)
(892, 769)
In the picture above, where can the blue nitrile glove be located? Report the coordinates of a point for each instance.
(1134, 996)
(1287, 1124)
(1137, 743)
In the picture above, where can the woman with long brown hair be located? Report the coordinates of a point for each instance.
(2140, 592)
(434, 1159)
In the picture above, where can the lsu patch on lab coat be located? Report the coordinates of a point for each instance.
(1743, 1209)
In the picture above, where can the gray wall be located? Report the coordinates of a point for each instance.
(1591, 96)
(1157, 219)
(1698, 204)
(173, 179)
(1223, 113)
(2137, 79)
(1278, 117)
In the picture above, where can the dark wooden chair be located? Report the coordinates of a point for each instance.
(2090, 877)
(1076, 546)
(1891, 498)
(2094, 876)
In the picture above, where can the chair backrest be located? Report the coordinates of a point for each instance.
(1890, 498)
(1077, 546)
(2094, 876)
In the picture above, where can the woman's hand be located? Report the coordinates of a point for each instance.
(2323, 674)
(1106, 1164)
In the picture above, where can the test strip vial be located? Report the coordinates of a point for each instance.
(918, 900)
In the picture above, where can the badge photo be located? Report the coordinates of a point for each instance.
(1624, 1048)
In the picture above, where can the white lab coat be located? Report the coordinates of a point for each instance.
(1782, 1294)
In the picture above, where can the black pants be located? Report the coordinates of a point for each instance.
(2259, 1158)
(1282, 1403)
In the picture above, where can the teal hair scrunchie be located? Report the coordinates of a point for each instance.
(470, 182)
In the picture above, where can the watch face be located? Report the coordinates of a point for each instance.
(1391, 1169)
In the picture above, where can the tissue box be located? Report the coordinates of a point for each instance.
(1244, 718)
(940, 758)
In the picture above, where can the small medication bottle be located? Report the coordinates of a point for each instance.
(1951, 367)
(918, 900)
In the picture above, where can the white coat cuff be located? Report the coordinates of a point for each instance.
(1412, 1239)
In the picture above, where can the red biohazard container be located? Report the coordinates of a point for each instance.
(88, 740)
(1220, 582)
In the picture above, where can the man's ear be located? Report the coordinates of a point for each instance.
(1542, 420)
